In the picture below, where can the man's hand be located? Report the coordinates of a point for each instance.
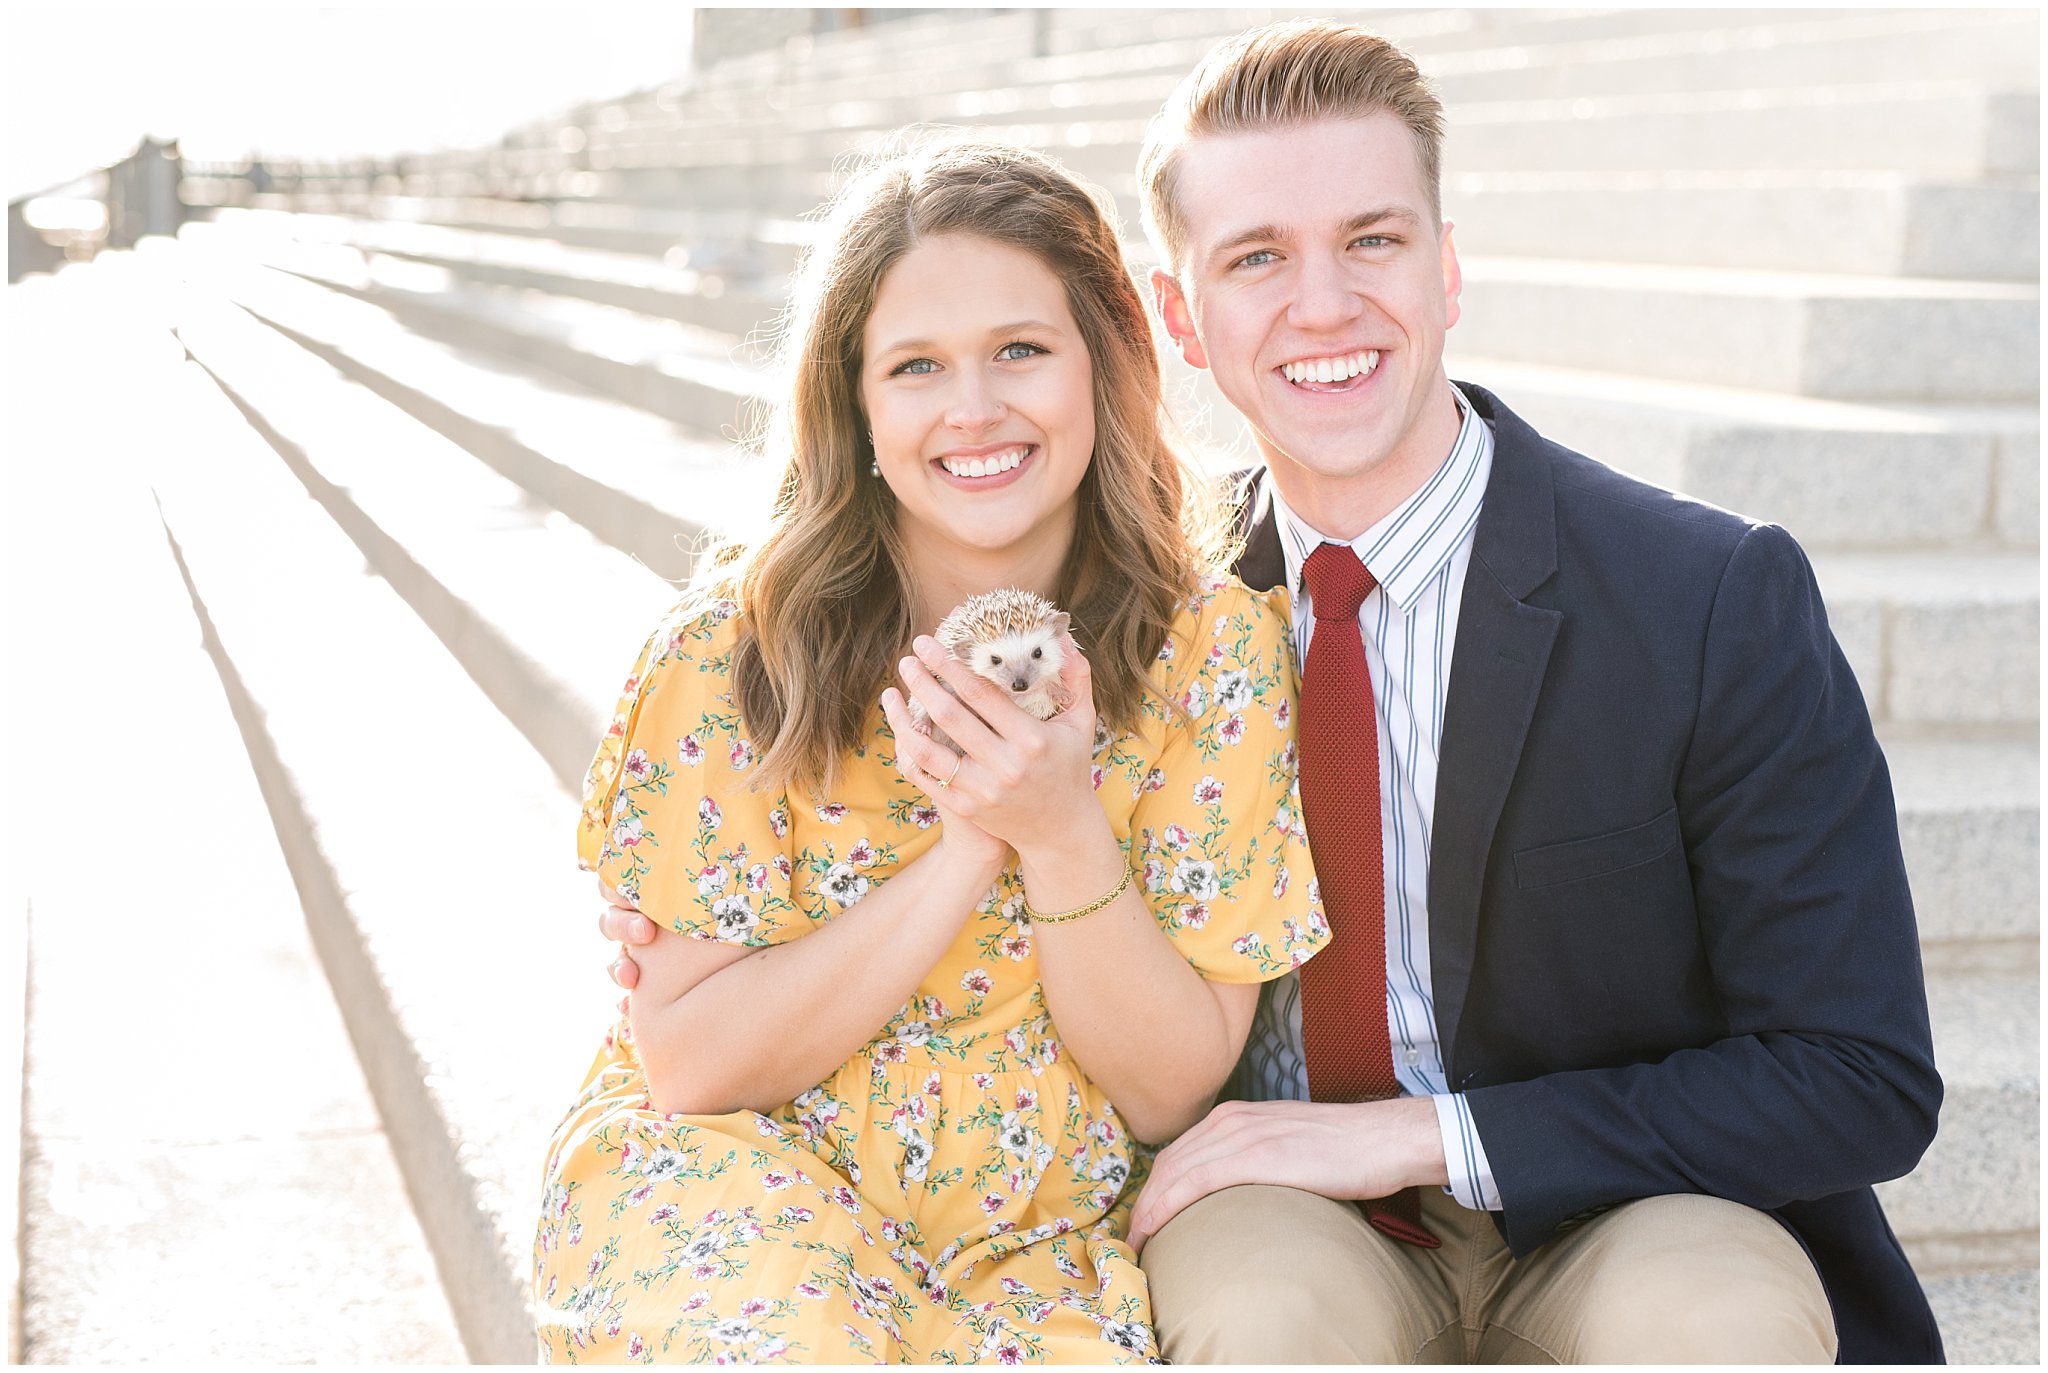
(1351, 1152)
(626, 927)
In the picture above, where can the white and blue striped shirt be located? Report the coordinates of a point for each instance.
(1418, 554)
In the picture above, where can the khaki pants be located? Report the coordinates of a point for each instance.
(1273, 1275)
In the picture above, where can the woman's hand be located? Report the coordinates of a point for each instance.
(930, 766)
(1022, 780)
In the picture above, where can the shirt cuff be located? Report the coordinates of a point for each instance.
(1471, 1176)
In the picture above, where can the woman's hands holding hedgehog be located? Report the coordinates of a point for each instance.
(1015, 780)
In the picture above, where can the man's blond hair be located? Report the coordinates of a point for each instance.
(1281, 74)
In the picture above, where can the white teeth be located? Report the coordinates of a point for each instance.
(1331, 369)
(985, 467)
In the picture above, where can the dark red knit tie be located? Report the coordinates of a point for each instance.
(1344, 987)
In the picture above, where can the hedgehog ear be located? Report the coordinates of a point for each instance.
(1060, 622)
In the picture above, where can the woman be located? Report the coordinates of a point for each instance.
(838, 1123)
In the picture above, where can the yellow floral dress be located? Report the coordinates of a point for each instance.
(958, 1190)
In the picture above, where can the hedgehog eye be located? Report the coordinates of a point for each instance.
(1038, 653)
(995, 660)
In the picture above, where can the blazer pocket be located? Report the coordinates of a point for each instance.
(1549, 865)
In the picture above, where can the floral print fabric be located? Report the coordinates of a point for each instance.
(958, 1191)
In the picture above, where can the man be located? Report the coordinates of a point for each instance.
(1604, 834)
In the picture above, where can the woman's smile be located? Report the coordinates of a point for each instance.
(986, 467)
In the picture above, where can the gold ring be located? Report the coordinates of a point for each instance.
(947, 780)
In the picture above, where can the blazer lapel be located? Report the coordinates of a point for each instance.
(1497, 667)
(1261, 565)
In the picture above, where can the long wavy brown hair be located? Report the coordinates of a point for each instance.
(825, 592)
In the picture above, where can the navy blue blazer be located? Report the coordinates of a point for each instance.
(1670, 937)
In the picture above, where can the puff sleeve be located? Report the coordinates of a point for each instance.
(1217, 832)
(668, 818)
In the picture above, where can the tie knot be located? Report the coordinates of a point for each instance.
(1338, 582)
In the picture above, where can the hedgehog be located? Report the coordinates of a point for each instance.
(1013, 639)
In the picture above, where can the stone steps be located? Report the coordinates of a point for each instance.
(1895, 121)
(382, 823)
(1838, 47)
(1989, 1317)
(1831, 336)
(534, 608)
(1931, 45)
(1975, 1198)
(1424, 33)
(1501, 55)
(1936, 129)
(1969, 816)
(1861, 223)
(1838, 475)
(1941, 638)
(1023, 50)
(196, 1121)
(639, 483)
(1485, 67)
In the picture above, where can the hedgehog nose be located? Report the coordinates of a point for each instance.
(1018, 684)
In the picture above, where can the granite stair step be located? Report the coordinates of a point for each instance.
(1974, 1201)
(1970, 826)
(1882, 224)
(1989, 1317)
(1424, 32)
(1844, 47)
(1838, 474)
(1832, 336)
(1940, 639)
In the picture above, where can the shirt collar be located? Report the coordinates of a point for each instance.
(1408, 547)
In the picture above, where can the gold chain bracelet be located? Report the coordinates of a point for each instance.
(1061, 917)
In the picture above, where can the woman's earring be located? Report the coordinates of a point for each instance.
(874, 465)
(874, 469)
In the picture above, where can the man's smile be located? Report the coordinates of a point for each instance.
(1339, 373)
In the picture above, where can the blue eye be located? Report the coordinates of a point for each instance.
(1018, 352)
(916, 367)
(1255, 259)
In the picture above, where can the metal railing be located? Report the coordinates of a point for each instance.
(111, 207)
